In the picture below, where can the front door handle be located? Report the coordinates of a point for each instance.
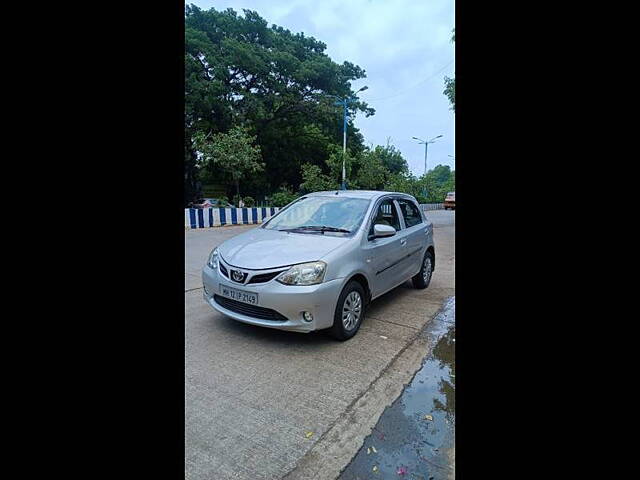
(403, 241)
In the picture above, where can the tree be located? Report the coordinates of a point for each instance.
(233, 152)
(283, 197)
(240, 71)
(438, 182)
(391, 158)
(403, 182)
(334, 165)
(316, 181)
(440, 173)
(450, 83)
(372, 173)
(450, 91)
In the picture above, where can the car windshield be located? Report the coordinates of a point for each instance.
(325, 214)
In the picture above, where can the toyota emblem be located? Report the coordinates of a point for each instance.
(237, 275)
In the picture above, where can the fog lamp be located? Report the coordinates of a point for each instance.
(308, 317)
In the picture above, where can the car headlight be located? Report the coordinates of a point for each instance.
(213, 258)
(310, 273)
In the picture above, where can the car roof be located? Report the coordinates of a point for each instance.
(367, 194)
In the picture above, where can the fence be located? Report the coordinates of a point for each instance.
(431, 206)
(215, 217)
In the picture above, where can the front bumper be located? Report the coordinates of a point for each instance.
(287, 300)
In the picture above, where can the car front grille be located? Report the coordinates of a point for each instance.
(224, 270)
(249, 310)
(264, 277)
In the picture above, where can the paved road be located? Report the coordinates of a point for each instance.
(252, 394)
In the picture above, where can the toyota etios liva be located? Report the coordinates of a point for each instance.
(320, 260)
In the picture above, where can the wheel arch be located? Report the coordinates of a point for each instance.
(362, 280)
(433, 257)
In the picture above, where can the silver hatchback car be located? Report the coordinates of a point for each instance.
(320, 261)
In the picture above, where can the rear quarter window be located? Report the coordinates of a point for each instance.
(410, 212)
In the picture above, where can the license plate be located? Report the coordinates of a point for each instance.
(239, 295)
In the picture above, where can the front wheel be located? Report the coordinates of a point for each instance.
(349, 311)
(423, 277)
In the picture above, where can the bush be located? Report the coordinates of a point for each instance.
(283, 197)
(249, 201)
(313, 180)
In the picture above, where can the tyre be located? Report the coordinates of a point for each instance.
(423, 277)
(350, 311)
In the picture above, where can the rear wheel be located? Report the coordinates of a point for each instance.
(349, 312)
(423, 277)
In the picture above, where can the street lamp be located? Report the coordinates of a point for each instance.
(426, 145)
(344, 102)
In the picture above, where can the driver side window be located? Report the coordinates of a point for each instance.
(386, 214)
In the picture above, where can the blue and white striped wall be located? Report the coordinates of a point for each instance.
(215, 217)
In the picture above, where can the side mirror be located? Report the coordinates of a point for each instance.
(382, 231)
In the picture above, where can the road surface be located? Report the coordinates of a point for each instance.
(268, 404)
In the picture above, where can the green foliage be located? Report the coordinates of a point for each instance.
(450, 91)
(441, 173)
(391, 158)
(372, 173)
(450, 83)
(249, 202)
(405, 183)
(436, 183)
(313, 180)
(232, 152)
(334, 163)
(210, 190)
(283, 197)
(241, 72)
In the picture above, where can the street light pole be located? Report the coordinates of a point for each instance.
(426, 145)
(344, 145)
(344, 102)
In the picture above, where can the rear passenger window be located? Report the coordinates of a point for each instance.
(386, 214)
(410, 213)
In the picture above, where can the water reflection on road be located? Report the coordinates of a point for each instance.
(414, 438)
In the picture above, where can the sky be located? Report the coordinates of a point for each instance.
(406, 50)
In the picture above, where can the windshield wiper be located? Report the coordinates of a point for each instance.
(319, 228)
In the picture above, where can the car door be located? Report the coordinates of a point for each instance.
(416, 233)
(384, 255)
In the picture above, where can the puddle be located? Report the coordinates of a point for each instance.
(405, 444)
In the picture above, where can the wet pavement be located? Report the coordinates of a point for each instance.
(415, 436)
